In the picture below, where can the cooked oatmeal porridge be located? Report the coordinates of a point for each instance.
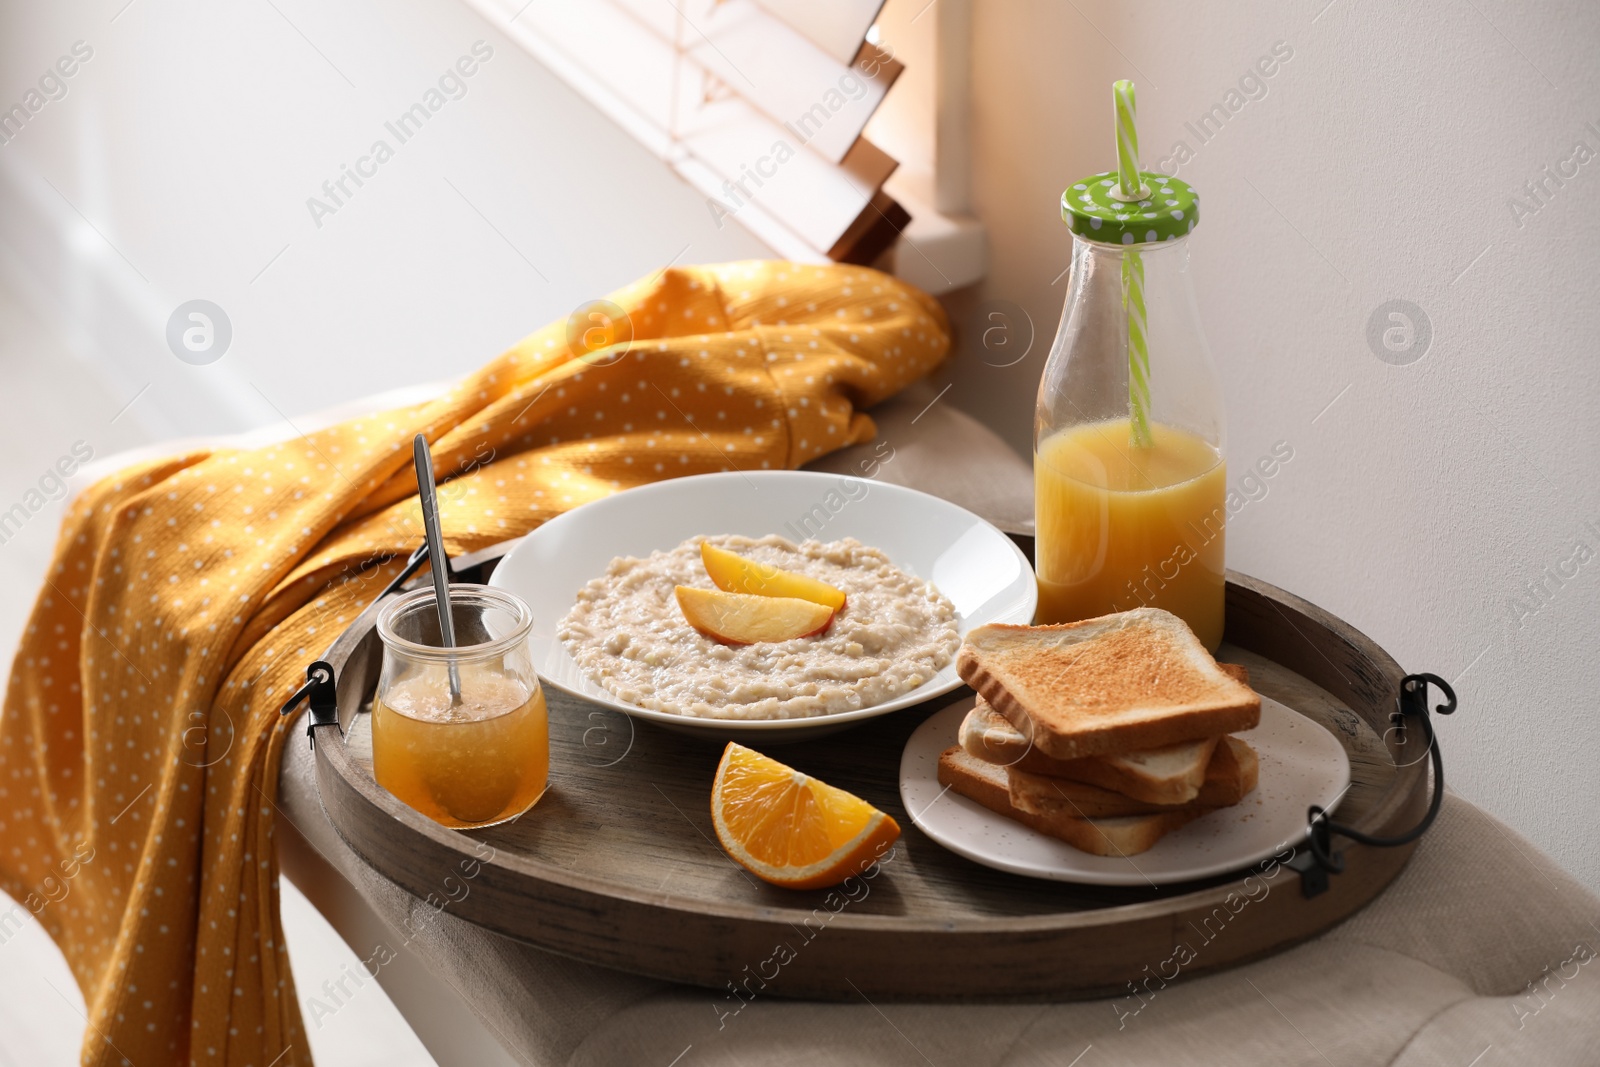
(628, 634)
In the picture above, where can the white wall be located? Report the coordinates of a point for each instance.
(193, 137)
(1382, 156)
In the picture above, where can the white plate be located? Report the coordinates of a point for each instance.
(979, 568)
(1301, 764)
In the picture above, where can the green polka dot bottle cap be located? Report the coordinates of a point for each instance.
(1168, 210)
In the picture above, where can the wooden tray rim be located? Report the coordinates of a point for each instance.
(1384, 818)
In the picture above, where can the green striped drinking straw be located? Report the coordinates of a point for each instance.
(1131, 208)
(1131, 187)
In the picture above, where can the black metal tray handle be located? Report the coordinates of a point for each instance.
(1320, 859)
(321, 686)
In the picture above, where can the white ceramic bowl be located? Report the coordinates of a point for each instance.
(979, 568)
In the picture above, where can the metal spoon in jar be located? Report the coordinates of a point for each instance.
(438, 562)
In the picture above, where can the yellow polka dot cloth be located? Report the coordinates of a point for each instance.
(140, 737)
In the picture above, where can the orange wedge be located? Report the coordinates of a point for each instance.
(744, 619)
(732, 573)
(790, 829)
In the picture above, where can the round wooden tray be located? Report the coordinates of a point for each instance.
(618, 865)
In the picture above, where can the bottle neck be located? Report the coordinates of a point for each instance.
(1131, 318)
(1148, 248)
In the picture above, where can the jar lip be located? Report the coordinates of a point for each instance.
(459, 591)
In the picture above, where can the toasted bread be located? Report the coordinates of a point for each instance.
(1126, 835)
(1240, 766)
(989, 736)
(1231, 774)
(1121, 683)
(1172, 774)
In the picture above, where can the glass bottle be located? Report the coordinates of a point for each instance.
(1129, 475)
(474, 763)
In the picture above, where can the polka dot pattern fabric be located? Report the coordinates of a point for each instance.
(1169, 211)
(140, 738)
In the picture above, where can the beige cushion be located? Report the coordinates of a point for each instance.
(1352, 1005)
(1479, 902)
(1476, 911)
(1496, 1031)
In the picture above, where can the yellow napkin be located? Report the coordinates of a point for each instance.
(140, 739)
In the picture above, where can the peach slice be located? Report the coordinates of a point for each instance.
(744, 619)
(734, 574)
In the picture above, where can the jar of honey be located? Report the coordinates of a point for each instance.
(461, 734)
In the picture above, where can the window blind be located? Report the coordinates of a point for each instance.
(758, 105)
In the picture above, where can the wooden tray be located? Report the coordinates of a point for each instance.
(618, 864)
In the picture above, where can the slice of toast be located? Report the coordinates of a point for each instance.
(1232, 773)
(1245, 770)
(1121, 683)
(1127, 835)
(1172, 774)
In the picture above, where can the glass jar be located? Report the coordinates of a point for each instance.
(1129, 470)
(479, 761)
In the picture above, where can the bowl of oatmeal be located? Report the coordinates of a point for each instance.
(917, 573)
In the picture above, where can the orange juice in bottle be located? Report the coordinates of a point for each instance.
(1119, 527)
(1129, 470)
(480, 755)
